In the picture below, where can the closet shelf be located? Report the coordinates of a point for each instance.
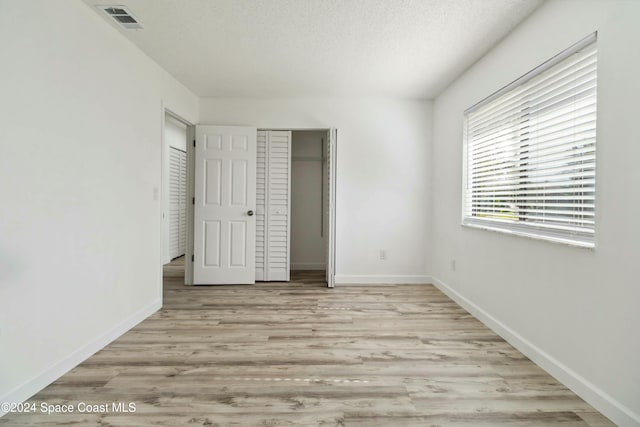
(308, 159)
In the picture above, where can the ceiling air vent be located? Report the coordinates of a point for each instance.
(122, 16)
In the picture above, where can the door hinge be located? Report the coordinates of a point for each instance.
(193, 200)
(192, 258)
(194, 142)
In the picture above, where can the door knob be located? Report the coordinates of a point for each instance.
(250, 213)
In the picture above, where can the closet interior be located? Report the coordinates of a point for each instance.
(308, 200)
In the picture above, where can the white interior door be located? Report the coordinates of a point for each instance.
(225, 198)
(330, 206)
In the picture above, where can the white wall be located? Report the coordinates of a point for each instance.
(175, 135)
(80, 223)
(574, 311)
(308, 177)
(382, 175)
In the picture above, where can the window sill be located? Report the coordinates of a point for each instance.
(533, 235)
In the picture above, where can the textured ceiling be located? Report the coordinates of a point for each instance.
(317, 48)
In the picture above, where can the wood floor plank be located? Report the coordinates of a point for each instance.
(300, 354)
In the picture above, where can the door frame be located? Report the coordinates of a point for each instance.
(164, 192)
(191, 179)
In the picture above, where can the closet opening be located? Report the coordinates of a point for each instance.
(272, 220)
(309, 219)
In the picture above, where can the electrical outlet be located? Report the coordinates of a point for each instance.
(383, 254)
(453, 264)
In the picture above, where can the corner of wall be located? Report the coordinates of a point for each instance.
(592, 394)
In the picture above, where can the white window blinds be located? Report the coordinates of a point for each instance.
(530, 152)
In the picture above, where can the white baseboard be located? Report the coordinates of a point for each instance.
(49, 375)
(308, 266)
(596, 397)
(350, 279)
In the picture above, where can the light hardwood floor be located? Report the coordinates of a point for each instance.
(299, 354)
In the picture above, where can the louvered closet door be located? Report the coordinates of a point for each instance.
(182, 242)
(278, 195)
(273, 196)
(261, 165)
(177, 202)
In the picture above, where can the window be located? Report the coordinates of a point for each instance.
(530, 152)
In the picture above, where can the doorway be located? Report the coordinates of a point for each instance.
(175, 178)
